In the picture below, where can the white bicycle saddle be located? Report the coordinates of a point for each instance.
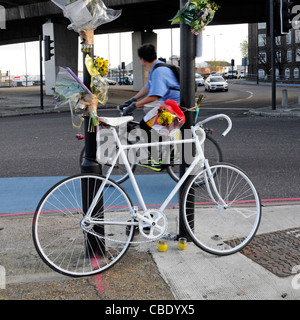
(115, 121)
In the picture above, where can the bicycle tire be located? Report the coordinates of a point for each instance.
(70, 245)
(212, 152)
(214, 229)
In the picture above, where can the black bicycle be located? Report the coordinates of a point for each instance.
(170, 162)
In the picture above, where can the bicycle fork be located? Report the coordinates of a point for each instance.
(208, 175)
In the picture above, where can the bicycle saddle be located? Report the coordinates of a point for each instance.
(115, 121)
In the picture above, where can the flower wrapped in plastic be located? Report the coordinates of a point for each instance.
(197, 14)
(66, 88)
(165, 117)
(86, 14)
(82, 102)
(98, 69)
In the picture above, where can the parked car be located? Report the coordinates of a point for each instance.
(242, 75)
(127, 80)
(214, 83)
(199, 79)
(111, 82)
(232, 74)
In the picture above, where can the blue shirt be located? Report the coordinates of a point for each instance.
(160, 81)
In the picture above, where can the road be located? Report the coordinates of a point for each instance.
(246, 96)
(266, 148)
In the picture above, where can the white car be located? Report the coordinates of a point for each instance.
(214, 83)
(199, 79)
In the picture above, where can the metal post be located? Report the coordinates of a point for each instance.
(41, 73)
(273, 53)
(90, 165)
(187, 100)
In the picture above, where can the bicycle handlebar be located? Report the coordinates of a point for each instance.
(218, 116)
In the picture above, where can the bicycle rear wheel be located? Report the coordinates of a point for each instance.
(68, 243)
(215, 229)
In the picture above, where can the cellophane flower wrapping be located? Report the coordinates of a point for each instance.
(197, 14)
(86, 14)
(67, 90)
(165, 117)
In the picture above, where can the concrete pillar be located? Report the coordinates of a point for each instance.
(139, 73)
(65, 52)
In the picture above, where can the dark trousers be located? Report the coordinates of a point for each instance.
(153, 136)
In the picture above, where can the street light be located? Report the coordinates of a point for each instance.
(209, 35)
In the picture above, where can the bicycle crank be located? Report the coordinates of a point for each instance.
(153, 224)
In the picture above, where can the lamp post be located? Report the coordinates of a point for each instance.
(90, 165)
(187, 100)
(215, 55)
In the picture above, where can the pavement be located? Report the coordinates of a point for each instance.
(144, 273)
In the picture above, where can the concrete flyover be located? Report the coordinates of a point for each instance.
(27, 19)
(24, 18)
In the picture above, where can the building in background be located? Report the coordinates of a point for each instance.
(287, 53)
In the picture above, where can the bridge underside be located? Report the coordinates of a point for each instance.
(26, 17)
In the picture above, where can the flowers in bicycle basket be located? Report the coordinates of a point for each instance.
(98, 69)
(197, 14)
(165, 118)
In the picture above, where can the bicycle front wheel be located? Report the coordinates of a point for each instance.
(73, 245)
(214, 227)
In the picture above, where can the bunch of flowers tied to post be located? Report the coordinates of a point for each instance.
(83, 103)
(197, 14)
(98, 69)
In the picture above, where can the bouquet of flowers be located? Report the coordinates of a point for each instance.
(86, 14)
(85, 17)
(197, 14)
(98, 69)
(81, 101)
(165, 117)
(66, 88)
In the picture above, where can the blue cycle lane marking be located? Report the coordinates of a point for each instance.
(20, 196)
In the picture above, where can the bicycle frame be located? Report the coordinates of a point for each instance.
(198, 158)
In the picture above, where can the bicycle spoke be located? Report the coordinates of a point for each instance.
(217, 228)
(67, 241)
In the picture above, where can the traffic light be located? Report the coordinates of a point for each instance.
(286, 16)
(232, 62)
(48, 48)
(283, 16)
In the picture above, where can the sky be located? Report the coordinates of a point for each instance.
(222, 41)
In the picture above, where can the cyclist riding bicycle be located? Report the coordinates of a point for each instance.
(162, 84)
